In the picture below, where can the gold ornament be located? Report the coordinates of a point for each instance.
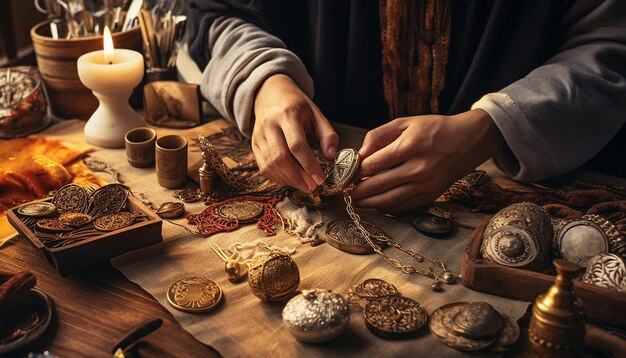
(557, 325)
(273, 276)
(194, 294)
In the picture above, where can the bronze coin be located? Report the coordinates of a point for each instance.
(115, 221)
(376, 288)
(342, 171)
(194, 294)
(109, 199)
(242, 211)
(441, 322)
(71, 198)
(52, 225)
(75, 219)
(345, 236)
(36, 209)
(432, 225)
(394, 317)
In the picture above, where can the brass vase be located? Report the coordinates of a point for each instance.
(557, 326)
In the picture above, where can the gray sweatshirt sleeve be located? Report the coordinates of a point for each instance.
(561, 114)
(242, 57)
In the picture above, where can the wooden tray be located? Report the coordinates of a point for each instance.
(75, 257)
(602, 305)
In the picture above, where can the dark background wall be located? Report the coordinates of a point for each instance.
(23, 16)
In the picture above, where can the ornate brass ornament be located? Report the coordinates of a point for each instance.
(243, 211)
(557, 325)
(273, 277)
(52, 225)
(75, 219)
(109, 199)
(375, 288)
(617, 245)
(342, 172)
(432, 225)
(473, 326)
(171, 210)
(37, 209)
(345, 236)
(316, 316)
(606, 270)
(115, 221)
(580, 240)
(511, 246)
(188, 195)
(194, 294)
(71, 198)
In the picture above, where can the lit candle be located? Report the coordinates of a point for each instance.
(111, 74)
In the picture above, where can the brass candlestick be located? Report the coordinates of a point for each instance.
(557, 326)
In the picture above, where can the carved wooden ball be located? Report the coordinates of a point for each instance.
(273, 277)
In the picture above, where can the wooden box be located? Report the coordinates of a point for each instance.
(602, 305)
(75, 257)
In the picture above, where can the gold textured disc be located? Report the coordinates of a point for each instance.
(440, 327)
(115, 221)
(75, 219)
(171, 210)
(109, 199)
(242, 211)
(71, 198)
(345, 236)
(376, 288)
(37, 209)
(274, 276)
(394, 317)
(194, 294)
(52, 225)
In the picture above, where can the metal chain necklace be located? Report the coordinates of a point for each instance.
(437, 269)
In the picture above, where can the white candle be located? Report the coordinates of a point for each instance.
(111, 74)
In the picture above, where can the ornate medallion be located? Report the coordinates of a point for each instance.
(580, 240)
(75, 219)
(39, 209)
(433, 225)
(109, 199)
(394, 317)
(171, 210)
(71, 198)
(341, 172)
(441, 322)
(510, 246)
(376, 288)
(617, 245)
(606, 270)
(194, 294)
(189, 195)
(115, 221)
(345, 236)
(242, 211)
(52, 225)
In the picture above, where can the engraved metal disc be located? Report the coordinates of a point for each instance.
(342, 171)
(109, 199)
(242, 211)
(71, 198)
(580, 240)
(189, 195)
(376, 288)
(36, 209)
(477, 320)
(75, 219)
(511, 246)
(52, 225)
(440, 323)
(433, 225)
(606, 270)
(115, 221)
(344, 235)
(394, 317)
(194, 294)
(171, 210)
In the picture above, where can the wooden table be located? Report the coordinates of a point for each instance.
(95, 309)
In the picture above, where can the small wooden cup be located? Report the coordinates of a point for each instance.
(140, 143)
(171, 161)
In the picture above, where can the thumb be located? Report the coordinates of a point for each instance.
(381, 137)
(329, 140)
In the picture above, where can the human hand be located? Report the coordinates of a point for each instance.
(410, 161)
(283, 114)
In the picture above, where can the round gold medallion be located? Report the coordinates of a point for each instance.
(376, 288)
(344, 235)
(116, 221)
(37, 209)
(71, 198)
(394, 317)
(52, 225)
(242, 211)
(194, 294)
(75, 219)
(342, 171)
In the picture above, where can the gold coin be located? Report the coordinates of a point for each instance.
(52, 225)
(441, 322)
(344, 235)
(171, 210)
(75, 219)
(242, 211)
(394, 317)
(36, 209)
(376, 288)
(194, 294)
(116, 221)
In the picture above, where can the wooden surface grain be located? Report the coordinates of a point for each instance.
(95, 309)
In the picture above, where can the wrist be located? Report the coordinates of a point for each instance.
(484, 139)
(271, 87)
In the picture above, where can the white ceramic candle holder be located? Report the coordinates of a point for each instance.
(112, 82)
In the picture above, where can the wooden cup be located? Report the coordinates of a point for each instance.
(171, 161)
(140, 143)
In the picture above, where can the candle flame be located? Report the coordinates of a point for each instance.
(109, 50)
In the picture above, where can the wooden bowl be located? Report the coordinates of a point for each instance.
(57, 58)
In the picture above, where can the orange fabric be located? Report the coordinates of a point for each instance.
(32, 167)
